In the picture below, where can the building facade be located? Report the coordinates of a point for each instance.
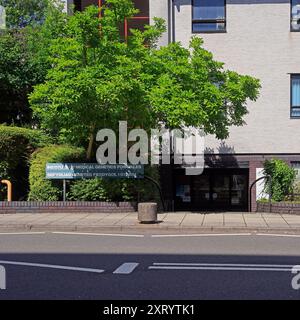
(137, 22)
(260, 38)
(256, 37)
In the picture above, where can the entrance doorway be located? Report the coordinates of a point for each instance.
(215, 189)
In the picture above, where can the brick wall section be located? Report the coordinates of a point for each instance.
(67, 206)
(282, 207)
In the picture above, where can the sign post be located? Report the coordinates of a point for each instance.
(73, 171)
(64, 190)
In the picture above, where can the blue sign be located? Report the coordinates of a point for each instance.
(66, 171)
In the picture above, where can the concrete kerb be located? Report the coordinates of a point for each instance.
(146, 229)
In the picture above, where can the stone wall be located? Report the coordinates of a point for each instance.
(281, 207)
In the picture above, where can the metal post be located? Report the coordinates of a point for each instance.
(159, 190)
(251, 187)
(9, 189)
(64, 189)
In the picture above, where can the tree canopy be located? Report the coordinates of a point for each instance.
(24, 63)
(98, 78)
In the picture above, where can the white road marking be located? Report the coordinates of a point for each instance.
(99, 234)
(200, 235)
(279, 235)
(221, 266)
(126, 268)
(50, 266)
(153, 236)
(20, 233)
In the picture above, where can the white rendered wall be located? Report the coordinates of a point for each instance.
(258, 42)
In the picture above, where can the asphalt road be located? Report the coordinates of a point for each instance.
(124, 267)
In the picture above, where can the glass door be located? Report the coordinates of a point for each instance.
(201, 192)
(239, 190)
(220, 193)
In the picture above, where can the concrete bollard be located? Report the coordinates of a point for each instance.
(147, 212)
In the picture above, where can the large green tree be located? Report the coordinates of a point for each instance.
(24, 63)
(94, 80)
(99, 78)
(17, 76)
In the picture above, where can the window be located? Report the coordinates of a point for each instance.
(209, 16)
(295, 96)
(295, 15)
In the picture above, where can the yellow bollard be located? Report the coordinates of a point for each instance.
(9, 189)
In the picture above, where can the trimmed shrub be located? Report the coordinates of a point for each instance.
(99, 189)
(116, 189)
(42, 189)
(16, 146)
(283, 178)
(89, 190)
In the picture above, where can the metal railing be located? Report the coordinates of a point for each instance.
(270, 192)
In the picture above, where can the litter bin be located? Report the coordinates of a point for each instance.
(147, 212)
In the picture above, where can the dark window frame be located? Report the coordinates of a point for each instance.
(291, 18)
(194, 21)
(297, 76)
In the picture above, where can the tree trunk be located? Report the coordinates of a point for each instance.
(91, 143)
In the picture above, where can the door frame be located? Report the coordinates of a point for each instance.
(211, 172)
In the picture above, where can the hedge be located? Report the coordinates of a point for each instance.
(16, 146)
(42, 189)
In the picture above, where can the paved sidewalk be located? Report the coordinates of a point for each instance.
(168, 222)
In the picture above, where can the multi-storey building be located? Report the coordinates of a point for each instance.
(255, 37)
(141, 19)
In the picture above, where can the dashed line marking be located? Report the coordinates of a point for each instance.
(126, 268)
(279, 235)
(221, 267)
(20, 233)
(201, 235)
(99, 234)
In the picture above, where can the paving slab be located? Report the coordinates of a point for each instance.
(52, 218)
(234, 219)
(291, 218)
(174, 219)
(112, 219)
(70, 220)
(213, 220)
(192, 220)
(276, 221)
(162, 216)
(255, 223)
(90, 220)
